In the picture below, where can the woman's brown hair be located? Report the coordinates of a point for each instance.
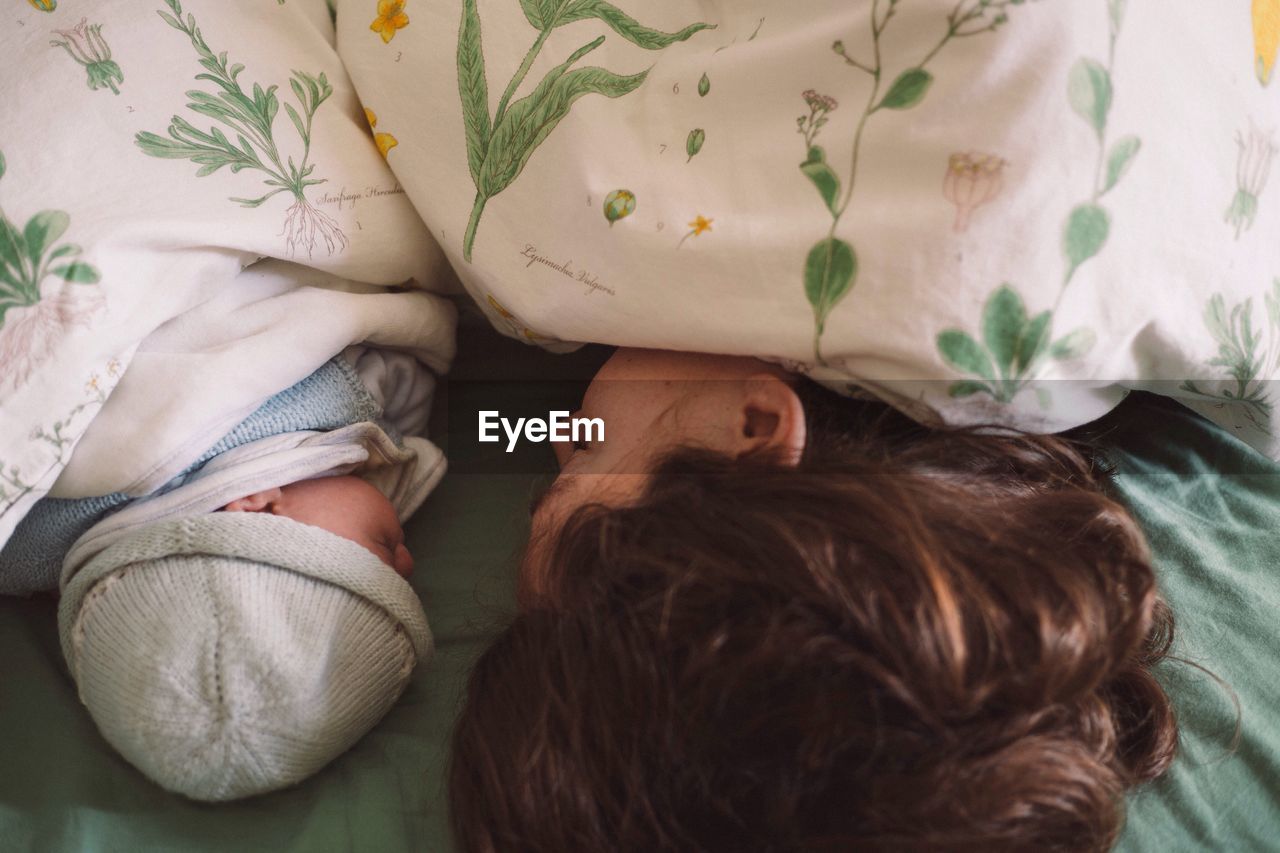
(913, 640)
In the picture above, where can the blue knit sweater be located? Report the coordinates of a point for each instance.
(329, 399)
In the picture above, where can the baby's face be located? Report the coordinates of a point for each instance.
(347, 506)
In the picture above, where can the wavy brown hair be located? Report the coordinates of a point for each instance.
(915, 640)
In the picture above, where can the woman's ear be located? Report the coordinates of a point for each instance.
(265, 501)
(772, 419)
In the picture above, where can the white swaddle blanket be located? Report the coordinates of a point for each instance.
(170, 148)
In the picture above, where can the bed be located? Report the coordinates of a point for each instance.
(1208, 502)
(391, 153)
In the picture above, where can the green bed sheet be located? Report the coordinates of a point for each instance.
(1210, 505)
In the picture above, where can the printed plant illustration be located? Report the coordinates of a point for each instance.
(1266, 38)
(831, 266)
(499, 145)
(84, 43)
(1013, 346)
(59, 435)
(704, 85)
(30, 324)
(1253, 169)
(619, 204)
(513, 322)
(384, 141)
(693, 143)
(391, 17)
(1243, 357)
(699, 224)
(1090, 92)
(43, 5)
(972, 180)
(251, 118)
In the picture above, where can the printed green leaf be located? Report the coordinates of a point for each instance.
(12, 246)
(1086, 232)
(171, 21)
(829, 272)
(1073, 345)
(532, 12)
(1272, 301)
(473, 87)
(823, 177)
(704, 85)
(1215, 319)
(964, 353)
(294, 84)
(1033, 340)
(1115, 9)
(1089, 90)
(78, 272)
(1002, 320)
(907, 91)
(247, 113)
(968, 387)
(42, 230)
(693, 143)
(1119, 160)
(257, 202)
(64, 250)
(498, 147)
(296, 119)
(623, 24)
(531, 119)
(1, 164)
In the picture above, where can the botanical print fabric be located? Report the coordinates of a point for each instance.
(167, 146)
(983, 211)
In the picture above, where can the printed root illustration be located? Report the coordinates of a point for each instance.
(250, 117)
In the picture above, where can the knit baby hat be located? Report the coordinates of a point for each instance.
(230, 654)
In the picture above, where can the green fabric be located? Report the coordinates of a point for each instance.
(62, 788)
(1209, 505)
(1211, 509)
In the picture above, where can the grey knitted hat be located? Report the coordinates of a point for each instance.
(230, 654)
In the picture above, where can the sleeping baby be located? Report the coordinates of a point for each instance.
(239, 627)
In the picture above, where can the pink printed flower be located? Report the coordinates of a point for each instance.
(972, 180)
(819, 105)
(30, 333)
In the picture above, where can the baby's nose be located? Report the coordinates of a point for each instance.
(403, 561)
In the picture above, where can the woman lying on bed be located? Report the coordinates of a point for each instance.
(760, 616)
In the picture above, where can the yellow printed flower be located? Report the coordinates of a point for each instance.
(391, 17)
(384, 141)
(497, 306)
(514, 322)
(1266, 37)
(44, 5)
(699, 224)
